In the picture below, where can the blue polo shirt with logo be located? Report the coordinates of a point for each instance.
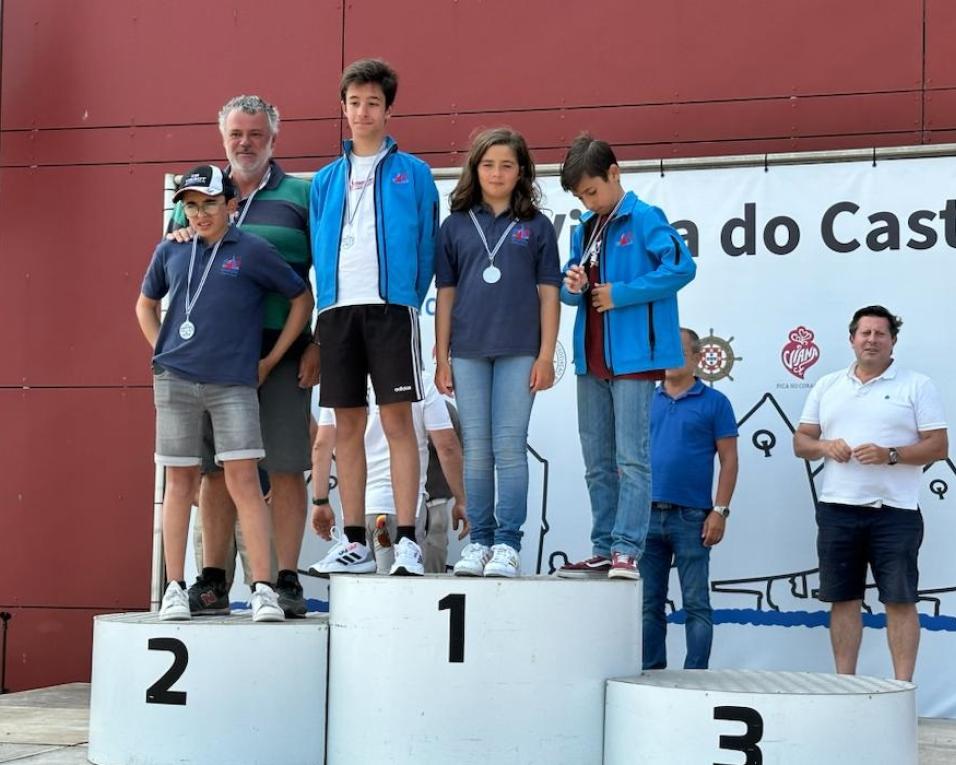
(684, 434)
(228, 314)
(502, 319)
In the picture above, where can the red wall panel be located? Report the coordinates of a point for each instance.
(499, 54)
(77, 497)
(99, 99)
(48, 646)
(138, 62)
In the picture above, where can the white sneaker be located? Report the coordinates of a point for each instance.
(265, 604)
(473, 560)
(345, 558)
(504, 562)
(408, 559)
(175, 605)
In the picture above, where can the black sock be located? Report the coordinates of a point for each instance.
(405, 531)
(182, 584)
(355, 534)
(214, 575)
(287, 577)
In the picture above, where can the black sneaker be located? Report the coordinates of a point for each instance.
(291, 599)
(208, 598)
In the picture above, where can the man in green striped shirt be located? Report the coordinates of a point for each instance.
(274, 206)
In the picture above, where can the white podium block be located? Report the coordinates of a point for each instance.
(211, 690)
(739, 717)
(442, 669)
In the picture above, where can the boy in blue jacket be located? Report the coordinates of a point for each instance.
(373, 214)
(627, 264)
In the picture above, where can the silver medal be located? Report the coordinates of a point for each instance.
(491, 274)
(187, 329)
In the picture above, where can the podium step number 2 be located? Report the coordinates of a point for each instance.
(211, 690)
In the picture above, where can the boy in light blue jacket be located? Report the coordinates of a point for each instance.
(627, 265)
(373, 214)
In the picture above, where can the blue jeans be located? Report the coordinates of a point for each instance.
(613, 424)
(675, 535)
(494, 403)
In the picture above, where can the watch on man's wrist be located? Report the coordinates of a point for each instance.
(724, 510)
(320, 501)
(893, 456)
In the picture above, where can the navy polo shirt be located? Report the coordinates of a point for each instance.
(228, 313)
(684, 434)
(502, 319)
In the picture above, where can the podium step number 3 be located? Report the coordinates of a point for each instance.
(738, 717)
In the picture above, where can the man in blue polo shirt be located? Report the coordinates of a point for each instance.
(690, 422)
(206, 360)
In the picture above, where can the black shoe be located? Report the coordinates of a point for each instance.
(208, 598)
(291, 599)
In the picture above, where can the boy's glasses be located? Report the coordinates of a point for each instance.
(192, 209)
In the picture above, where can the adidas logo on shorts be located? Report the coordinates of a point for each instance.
(402, 388)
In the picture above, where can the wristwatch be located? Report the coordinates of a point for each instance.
(893, 457)
(724, 510)
(319, 502)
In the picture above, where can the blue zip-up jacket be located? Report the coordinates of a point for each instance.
(646, 262)
(406, 226)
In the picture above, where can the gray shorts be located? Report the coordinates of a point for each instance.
(180, 406)
(284, 412)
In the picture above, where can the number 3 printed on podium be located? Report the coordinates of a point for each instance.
(455, 603)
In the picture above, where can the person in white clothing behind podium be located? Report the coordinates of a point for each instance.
(432, 421)
(875, 426)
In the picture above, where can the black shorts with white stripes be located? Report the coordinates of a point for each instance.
(362, 341)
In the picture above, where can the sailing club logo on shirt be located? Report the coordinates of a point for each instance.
(230, 266)
(400, 178)
(521, 235)
(626, 238)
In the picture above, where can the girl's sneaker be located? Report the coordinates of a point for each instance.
(504, 562)
(474, 558)
(595, 567)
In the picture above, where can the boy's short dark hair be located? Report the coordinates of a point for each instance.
(370, 70)
(587, 157)
(879, 312)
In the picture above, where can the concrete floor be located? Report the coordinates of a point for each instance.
(48, 726)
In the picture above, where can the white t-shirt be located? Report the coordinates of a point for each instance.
(358, 263)
(429, 414)
(889, 410)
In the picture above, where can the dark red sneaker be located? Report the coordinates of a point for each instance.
(623, 567)
(595, 567)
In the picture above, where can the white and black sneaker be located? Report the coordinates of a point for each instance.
(408, 559)
(345, 558)
(473, 560)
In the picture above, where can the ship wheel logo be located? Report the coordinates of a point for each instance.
(717, 358)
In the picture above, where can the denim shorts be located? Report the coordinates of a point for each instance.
(850, 537)
(180, 406)
(284, 416)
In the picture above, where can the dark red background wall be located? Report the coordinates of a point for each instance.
(99, 99)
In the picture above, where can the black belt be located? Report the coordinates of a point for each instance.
(665, 506)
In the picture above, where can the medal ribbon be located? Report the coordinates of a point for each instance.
(191, 303)
(491, 253)
(591, 251)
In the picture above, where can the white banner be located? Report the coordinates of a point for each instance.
(784, 255)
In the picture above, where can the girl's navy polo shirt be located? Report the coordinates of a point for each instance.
(501, 319)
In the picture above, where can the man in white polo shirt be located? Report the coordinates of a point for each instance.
(875, 426)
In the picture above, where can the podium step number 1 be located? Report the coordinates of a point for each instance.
(470, 671)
